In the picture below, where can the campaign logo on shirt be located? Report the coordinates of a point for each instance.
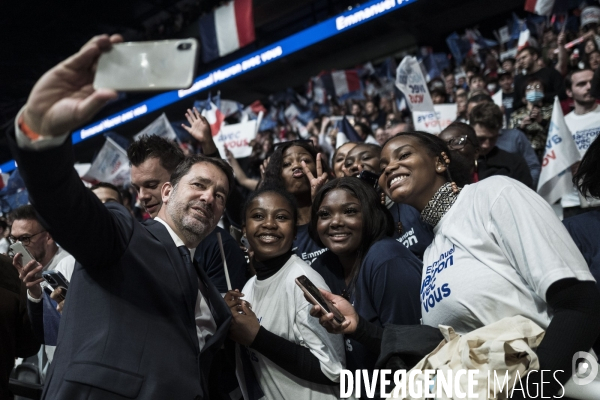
(584, 138)
(431, 292)
(409, 238)
(310, 257)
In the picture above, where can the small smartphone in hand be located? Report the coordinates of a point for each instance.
(147, 66)
(56, 280)
(26, 256)
(316, 298)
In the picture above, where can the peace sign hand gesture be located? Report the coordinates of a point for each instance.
(315, 182)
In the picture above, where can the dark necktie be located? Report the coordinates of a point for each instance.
(192, 292)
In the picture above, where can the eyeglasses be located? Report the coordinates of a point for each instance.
(25, 239)
(458, 143)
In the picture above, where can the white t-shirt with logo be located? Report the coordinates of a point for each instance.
(495, 254)
(281, 308)
(585, 129)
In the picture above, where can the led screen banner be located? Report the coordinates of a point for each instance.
(298, 41)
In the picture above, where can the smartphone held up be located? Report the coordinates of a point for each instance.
(26, 256)
(147, 66)
(316, 298)
(56, 280)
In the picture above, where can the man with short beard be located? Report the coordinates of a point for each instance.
(144, 321)
(153, 159)
(584, 124)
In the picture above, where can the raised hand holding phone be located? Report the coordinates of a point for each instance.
(64, 98)
(30, 274)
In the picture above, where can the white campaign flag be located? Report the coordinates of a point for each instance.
(497, 98)
(236, 138)
(230, 107)
(291, 113)
(561, 153)
(159, 127)
(111, 165)
(434, 123)
(411, 82)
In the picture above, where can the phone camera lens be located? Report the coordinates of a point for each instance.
(184, 46)
(51, 280)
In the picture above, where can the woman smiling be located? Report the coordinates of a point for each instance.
(294, 357)
(498, 251)
(379, 275)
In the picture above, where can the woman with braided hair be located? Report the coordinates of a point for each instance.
(498, 251)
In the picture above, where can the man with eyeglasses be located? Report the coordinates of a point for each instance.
(511, 140)
(29, 231)
(48, 256)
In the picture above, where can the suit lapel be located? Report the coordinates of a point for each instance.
(218, 308)
(159, 231)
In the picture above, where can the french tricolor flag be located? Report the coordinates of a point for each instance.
(214, 117)
(539, 7)
(341, 83)
(226, 29)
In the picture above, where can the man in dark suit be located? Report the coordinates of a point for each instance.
(142, 320)
(153, 159)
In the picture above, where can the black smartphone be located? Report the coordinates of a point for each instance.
(56, 280)
(370, 177)
(316, 298)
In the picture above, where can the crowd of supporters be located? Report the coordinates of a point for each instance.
(403, 231)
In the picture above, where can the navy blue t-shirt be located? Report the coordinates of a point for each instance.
(584, 230)
(304, 247)
(386, 291)
(416, 234)
(208, 256)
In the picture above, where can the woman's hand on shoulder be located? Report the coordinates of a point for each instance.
(327, 320)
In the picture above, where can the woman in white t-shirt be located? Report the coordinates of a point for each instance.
(293, 357)
(499, 251)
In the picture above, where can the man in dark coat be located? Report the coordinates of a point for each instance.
(142, 321)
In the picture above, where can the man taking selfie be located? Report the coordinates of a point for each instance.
(143, 321)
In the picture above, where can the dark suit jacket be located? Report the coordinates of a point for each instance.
(208, 256)
(127, 330)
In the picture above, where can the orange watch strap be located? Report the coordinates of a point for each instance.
(27, 130)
